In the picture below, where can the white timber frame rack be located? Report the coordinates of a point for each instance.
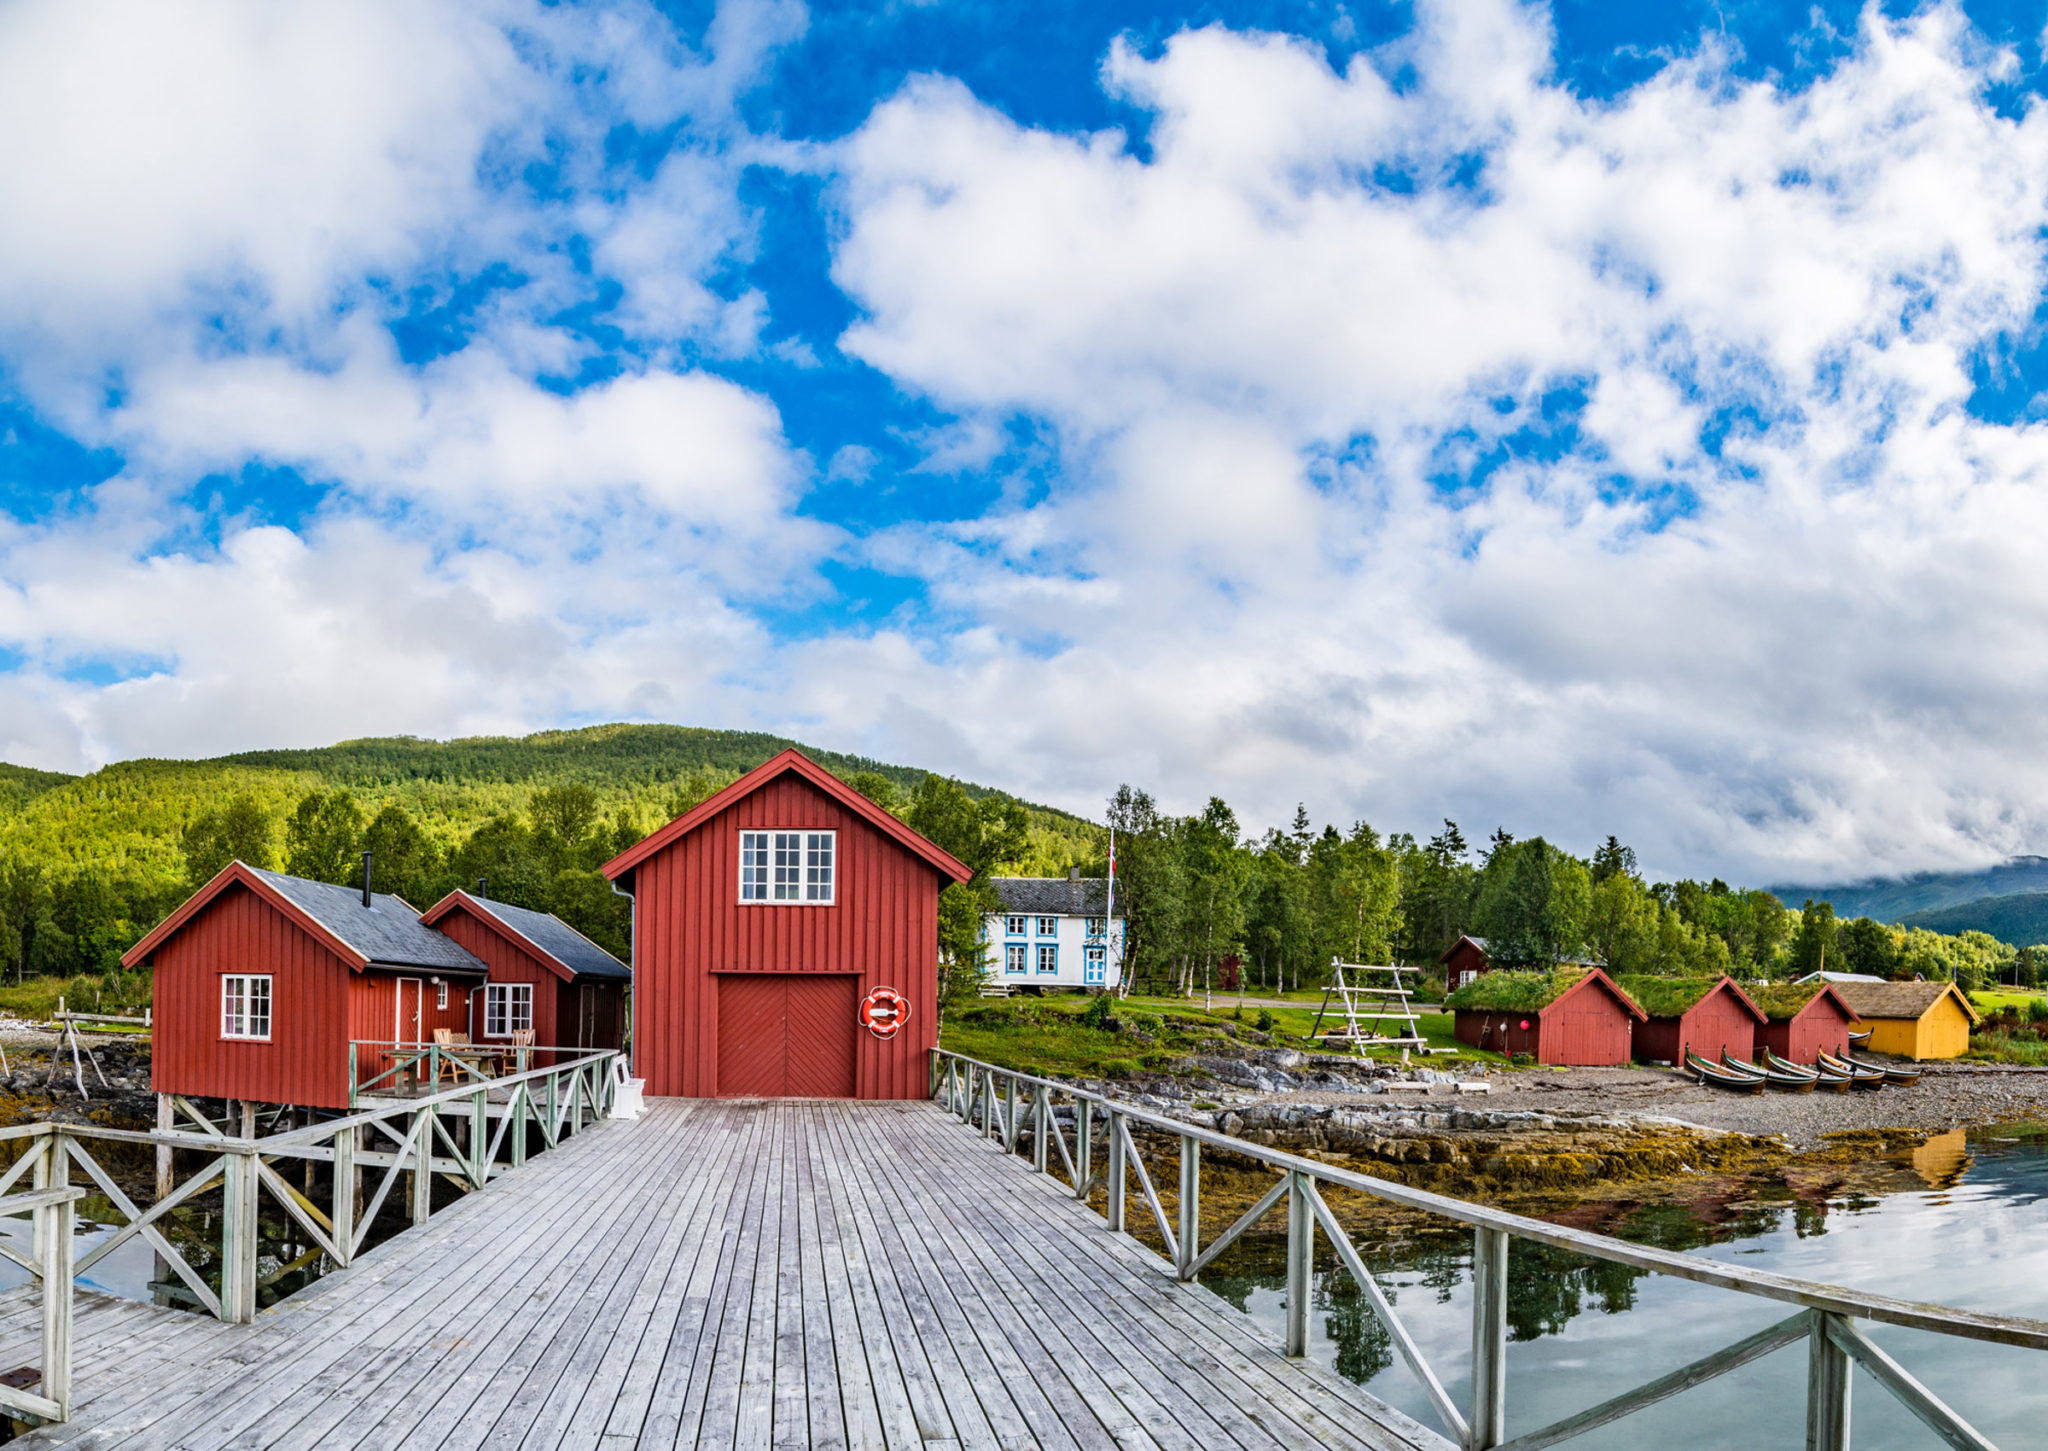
(1384, 1005)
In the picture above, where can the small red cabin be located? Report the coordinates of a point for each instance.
(1570, 1016)
(1805, 1020)
(261, 981)
(1703, 1015)
(545, 975)
(1464, 960)
(762, 919)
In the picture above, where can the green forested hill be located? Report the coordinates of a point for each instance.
(89, 863)
(2018, 918)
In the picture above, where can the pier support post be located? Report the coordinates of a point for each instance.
(1488, 1418)
(343, 1212)
(1301, 1249)
(238, 1238)
(165, 1117)
(422, 1183)
(57, 1222)
(1188, 1236)
(1827, 1389)
(1113, 1217)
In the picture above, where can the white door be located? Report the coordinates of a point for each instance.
(406, 1033)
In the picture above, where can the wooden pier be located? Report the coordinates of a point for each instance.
(773, 1273)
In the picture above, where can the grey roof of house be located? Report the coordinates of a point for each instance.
(388, 931)
(1052, 896)
(557, 939)
(1839, 977)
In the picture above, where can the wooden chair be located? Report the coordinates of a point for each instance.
(522, 1048)
(457, 1053)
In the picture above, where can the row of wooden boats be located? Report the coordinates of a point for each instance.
(1828, 1073)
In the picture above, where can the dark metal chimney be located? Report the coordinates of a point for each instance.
(366, 879)
(483, 886)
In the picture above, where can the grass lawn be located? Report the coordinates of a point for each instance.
(1990, 1000)
(1050, 1035)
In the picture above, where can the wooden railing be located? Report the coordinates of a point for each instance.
(1001, 1103)
(408, 1066)
(466, 1136)
(53, 1203)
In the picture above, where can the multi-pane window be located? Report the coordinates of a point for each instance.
(508, 1009)
(788, 866)
(1048, 926)
(245, 1006)
(1015, 959)
(441, 997)
(1098, 926)
(1094, 967)
(1014, 926)
(1048, 957)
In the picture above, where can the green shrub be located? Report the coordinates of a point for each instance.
(1120, 1068)
(1098, 1011)
(1265, 1021)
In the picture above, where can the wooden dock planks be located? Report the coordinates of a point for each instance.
(769, 1274)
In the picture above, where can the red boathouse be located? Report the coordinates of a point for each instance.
(1703, 1015)
(1806, 1019)
(1463, 961)
(762, 919)
(1569, 1016)
(261, 980)
(545, 975)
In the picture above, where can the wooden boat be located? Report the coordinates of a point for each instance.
(1898, 1077)
(1861, 1075)
(1786, 1065)
(1797, 1081)
(1857, 1040)
(1823, 1080)
(1734, 1082)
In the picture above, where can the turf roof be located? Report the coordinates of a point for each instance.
(1667, 997)
(1516, 992)
(1783, 1001)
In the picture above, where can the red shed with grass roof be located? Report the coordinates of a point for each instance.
(762, 919)
(1805, 1020)
(1703, 1015)
(1570, 1016)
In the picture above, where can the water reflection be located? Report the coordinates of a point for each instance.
(1962, 1225)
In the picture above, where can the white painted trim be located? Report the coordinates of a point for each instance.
(805, 835)
(269, 1006)
(511, 991)
(419, 1008)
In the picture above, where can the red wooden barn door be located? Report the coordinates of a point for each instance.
(786, 1035)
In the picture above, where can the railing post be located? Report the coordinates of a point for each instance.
(479, 1140)
(238, 1237)
(343, 1209)
(423, 1166)
(1084, 1145)
(1113, 1217)
(518, 1110)
(1188, 1236)
(55, 1222)
(1827, 1389)
(354, 1076)
(49, 1147)
(1041, 1116)
(1488, 1418)
(1301, 1249)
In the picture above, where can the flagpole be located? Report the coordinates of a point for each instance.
(1109, 919)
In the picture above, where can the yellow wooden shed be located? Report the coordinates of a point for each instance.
(1912, 1019)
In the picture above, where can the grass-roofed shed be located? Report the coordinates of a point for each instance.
(1806, 1019)
(1703, 1015)
(1567, 1016)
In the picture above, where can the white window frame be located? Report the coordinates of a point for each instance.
(1048, 927)
(502, 1001)
(1098, 927)
(1016, 958)
(1095, 966)
(789, 867)
(1014, 926)
(1049, 952)
(238, 1001)
(441, 997)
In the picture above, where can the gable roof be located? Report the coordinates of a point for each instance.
(785, 762)
(387, 933)
(1839, 977)
(1784, 1001)
(1674, 997)
(1514, 991)
(565, 950)
(1053, 896)
(1899, 999)
(1463, 938)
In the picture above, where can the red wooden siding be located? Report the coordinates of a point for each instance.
(1587, 1027)
(509, 962)
(690, 925)
(1717, 1021)
(1822, 1026)
(306, 1060)
(785, 1035)
(1464, 961)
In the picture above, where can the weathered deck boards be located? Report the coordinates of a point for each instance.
(779, 1274)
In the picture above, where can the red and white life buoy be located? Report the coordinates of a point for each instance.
(884, 1011)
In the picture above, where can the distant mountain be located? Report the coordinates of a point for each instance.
(1891, 901)
(2020, 918)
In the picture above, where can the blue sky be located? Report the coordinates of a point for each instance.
(1589, 418)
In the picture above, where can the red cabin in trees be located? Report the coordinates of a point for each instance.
(261, 980)
(761, 920)
(1805, 1020)
(1464, 960)
(1574, 1016)
(545, 975)
(1703, 1015)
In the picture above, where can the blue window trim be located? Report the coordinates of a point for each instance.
(1010, 956)
(1054, 949)
(1055, 926)
(1009, 931)
(1095, 965)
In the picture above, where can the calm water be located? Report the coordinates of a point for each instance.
(1976, 1236)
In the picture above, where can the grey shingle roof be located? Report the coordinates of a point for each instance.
(557, 939)
(1052, 896)
(387, 931)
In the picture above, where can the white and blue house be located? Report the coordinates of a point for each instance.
(1054, 932)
